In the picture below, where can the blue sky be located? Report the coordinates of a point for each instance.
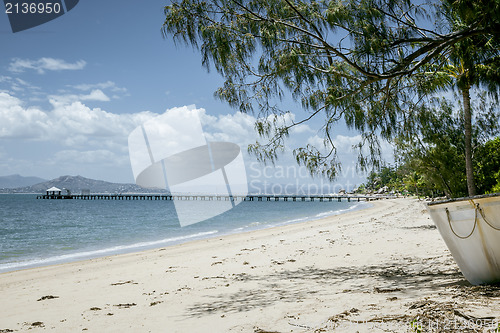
(71, 91)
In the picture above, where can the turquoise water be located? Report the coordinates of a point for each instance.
(43, 232)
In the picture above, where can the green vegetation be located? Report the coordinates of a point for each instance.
(435, 148)
(416, 326)
(433, 174)
(376, 65)
(488, 166)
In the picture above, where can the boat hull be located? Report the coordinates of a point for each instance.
(470, 228)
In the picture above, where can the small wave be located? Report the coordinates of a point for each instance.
(339, 211)
(320, 215)
(99, 253)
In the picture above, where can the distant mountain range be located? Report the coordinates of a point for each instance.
(14, 181)
(76, 184)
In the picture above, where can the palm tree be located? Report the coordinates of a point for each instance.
(474, 61)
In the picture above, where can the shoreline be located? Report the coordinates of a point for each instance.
(141, 246)
(371, 270)
(194, 242)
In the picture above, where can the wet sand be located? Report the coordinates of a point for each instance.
(381, 269)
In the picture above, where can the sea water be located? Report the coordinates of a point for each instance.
(35, 232)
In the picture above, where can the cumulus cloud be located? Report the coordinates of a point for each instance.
(345, 143)
(100, 156)
(94, 95)
(108, 85)
(342, 143)
(41, 65)
(237, 128)
(70, 122)
(17, 121)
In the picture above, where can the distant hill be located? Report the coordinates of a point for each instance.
(78, 183)
(14, 181)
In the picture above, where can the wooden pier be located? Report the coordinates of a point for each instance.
(214, 197)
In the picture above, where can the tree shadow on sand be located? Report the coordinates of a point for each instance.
(310, 282)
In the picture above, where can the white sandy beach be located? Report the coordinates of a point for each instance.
(382, 269)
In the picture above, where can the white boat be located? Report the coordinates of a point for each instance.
(470, 228)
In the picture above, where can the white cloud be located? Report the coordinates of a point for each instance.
(71, 123)
(19, 85)
(44, 64)
(344, 143)
(108, 85)
(240, 127)
(17, 121)
(93, 135)
(237, 128)
(100, 156)
(94, 95)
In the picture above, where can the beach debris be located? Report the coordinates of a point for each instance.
(422, 227)
(301, 326)
(241, 277)
(217, 263)
(386, 290)
(343, 315)
(125, 282)
(95, 308)
(43, 298)
(260, 330)
(38, 324)
(246, 263)
(125, 305)
(470, 317)
(155, 303)
(488, 291)
(447, 317)
(6, 330)
(213, 277)
(382, 319)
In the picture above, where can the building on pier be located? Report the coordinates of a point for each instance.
(54, 191)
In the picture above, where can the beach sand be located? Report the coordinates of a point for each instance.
(381, 269)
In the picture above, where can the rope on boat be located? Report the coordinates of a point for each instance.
(476, 210)
(485, 220)
(452, 230)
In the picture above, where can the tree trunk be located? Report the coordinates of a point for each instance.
(471, 186)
